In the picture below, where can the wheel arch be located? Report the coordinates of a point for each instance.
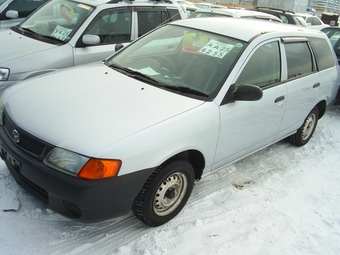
(322, 108)
(194, 157)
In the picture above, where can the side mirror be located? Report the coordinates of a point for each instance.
(245, 92)
(248, 92)
(119, 46)
(90, 39)
(12, 14)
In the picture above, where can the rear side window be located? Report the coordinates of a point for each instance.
(149, 19)
(323, 54)
(284, 19)
(299, 59)
(174, 14)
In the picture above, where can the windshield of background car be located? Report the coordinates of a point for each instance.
(58, 19)
(300, 21)
(180, 59)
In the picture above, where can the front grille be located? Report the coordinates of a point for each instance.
(27, 142)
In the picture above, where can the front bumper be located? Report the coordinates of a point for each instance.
(78, 199)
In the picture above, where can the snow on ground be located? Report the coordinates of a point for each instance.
(281, 200)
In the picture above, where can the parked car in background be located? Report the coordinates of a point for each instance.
(313, 21)
(287, 17)
(12, 12)
(65, 33)
(138, 129)
(333, 34)
(236, 13)
(208, 5)
(189, 7)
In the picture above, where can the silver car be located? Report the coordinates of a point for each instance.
(65, 33)
(12, 12)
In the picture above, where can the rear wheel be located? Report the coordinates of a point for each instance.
(165, 193)
(305, 132)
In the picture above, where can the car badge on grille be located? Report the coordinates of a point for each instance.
(15, 136)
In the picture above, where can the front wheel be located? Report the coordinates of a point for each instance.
(165, 193)
(305, 132)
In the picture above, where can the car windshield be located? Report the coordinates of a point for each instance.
(183, 60)
(57, 20)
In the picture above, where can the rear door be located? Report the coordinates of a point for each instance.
(304, 84)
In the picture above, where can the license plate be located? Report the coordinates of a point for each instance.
(10, 159)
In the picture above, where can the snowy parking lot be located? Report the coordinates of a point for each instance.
(281, 200)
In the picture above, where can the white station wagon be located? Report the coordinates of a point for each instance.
(136, 131)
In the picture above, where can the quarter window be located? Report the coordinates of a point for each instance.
(299, 59)
(174, 14)
(150, 19)
(323, 53)
(263, 68)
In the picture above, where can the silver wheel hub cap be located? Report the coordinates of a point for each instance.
(170, 194)
(308, 127)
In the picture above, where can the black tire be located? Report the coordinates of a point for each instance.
(305, 132)
(165, 193)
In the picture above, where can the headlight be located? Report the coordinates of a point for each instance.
(4, 73)
(81, 166)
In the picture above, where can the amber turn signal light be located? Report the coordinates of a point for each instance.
(96, 169)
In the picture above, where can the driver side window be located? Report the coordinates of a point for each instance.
(112, 27)
(263, 68)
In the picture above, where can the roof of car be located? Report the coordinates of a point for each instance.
(100, 2)
(273, 9)
(240, 13)
(245, 30)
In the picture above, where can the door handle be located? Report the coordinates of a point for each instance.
(316, 85)
(281, 98)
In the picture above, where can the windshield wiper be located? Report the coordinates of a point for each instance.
(52, 38)
(24, 29)
(186, 90)
(134, 74)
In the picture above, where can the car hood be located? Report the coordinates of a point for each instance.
(15, 45)
(87, 108)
